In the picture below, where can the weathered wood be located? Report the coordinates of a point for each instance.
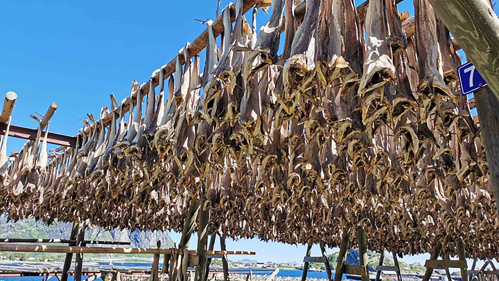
(387, 268)
(461, 252)
(62, 241)
(204, 217)
(314, 259)
(380, 265)
(396, 262)
(48, 115)
(209, 257)
(225, 264)
(342, 256)
(306, 263)
(8, 106)
(79, 256)
(434, 255)
(102, 250)
(326, 262)
(476, 27)
(361, 238)
(445, 264)
(487, 105)
(155, 265)
(491, 272)
(354, 269)
(69, 256)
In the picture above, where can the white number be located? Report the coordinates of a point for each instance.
(471, 69)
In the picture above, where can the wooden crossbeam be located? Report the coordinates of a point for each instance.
(62, 241)
(354, 269)
(314, 259)
(445, 264)
(387, 268)
(4, 247)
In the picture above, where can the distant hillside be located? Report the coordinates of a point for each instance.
(29, 228)
(353, 258)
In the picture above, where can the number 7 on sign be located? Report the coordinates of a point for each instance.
(471, 69)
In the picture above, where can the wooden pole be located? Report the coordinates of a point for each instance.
(204, 218)
(210, 248)
(225, 264)
(326, 262)
(79, 256)
(69, 256)
(396, 263)
(155, 265)
(364, 261)
(8, 106)
(306, 264)
(380, 263)
(487, 107)
(433, 256)
(475, 27)
(342, 256)
(462, 256)
(48, 115)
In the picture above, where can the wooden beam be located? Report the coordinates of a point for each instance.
(387, 268)
(307, 264)
(354, 269)
(475, 26)
(342, 256)
(204, 218)
(461, 252)
(69, 256)
(62, 241)
(326, 262)
(48, 115)
(314, 259)
(225, 264)
(434, 255)
(396, 262)
(155, 265)
(445, 264)
(79, 256)
(361, 238)
(8, 106)
(211, 246)
(487, 105)
(5, 247)
(168, 69)
(30, 134)
(380, 265)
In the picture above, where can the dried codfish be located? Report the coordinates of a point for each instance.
(378, 66)
(427, 49)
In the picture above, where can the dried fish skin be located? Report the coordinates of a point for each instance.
(378, 65)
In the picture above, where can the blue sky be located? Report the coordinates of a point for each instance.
(76, 53)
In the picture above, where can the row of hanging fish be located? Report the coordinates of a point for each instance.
(293, 141)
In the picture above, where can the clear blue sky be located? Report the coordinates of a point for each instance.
(76, 53)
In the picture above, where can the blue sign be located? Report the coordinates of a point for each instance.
(470, 79)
